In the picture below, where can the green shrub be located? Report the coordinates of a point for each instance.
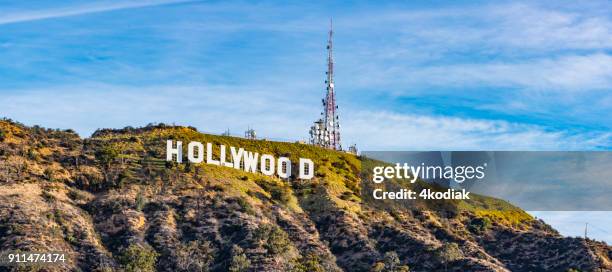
(125, 177)
(239, 262)
(245, 206)
(141, 201)
(195, 256)
(308, 263)
(479, 225)
(391, 263)
(137, 258)
(449, 252)
(273, 238)
(281, 194)
(106, 155)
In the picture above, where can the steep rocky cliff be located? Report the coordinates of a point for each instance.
(112, 202)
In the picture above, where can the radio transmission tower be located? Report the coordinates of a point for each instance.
(326, 131)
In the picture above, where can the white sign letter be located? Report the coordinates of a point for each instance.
(222, 157)
(236, 156)
(209, 154)
(284, 167)
(267, 165)
(306, 172)
(191, 149)
(250, 161)
(178, 151)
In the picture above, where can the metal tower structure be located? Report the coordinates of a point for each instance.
(250, 134)
(326, 131)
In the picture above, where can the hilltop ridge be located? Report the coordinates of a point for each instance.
(113, 203)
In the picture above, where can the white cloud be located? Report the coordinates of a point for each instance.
(573, 73)
(18, 17)
(210, 108)
(494, 26)
(523, 46)
(392, 131)
(527, 26)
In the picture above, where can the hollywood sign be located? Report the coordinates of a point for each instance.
(239, 158)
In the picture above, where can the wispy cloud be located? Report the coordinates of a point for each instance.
(565, 73)
(393, 131)
(214, 108)
(499, 26)
(26, 16)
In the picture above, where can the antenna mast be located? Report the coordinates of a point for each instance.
(331, 116)
(326, 131)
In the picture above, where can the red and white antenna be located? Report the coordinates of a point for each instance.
(326, 131)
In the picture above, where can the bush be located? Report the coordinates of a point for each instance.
(449, 252)
(273, 238)
(141, 201)
(391, 260)
(2, 135)
(245, 206)
(49, 174)
(281, 194)
(239, 262)
(124, 178)
(479, 225)
(195, 256)
(308, 263)
(391, 263)
(106, 155)
(137, 258)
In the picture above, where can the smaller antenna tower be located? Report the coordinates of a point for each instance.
(250, 134)
(226, 133)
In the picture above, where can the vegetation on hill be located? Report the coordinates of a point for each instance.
(112, 202)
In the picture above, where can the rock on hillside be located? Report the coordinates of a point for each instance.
(112, 203)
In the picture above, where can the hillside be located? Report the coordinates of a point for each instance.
(113, 203)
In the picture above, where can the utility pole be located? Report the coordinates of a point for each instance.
(586, 227)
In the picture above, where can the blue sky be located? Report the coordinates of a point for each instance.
(429, 75)
(426, 75)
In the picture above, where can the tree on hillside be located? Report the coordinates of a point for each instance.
(390, 263)
(391, 260)
(137, 258)
(239, 262)
(106, 155)
(448, 253)
(272, 238)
